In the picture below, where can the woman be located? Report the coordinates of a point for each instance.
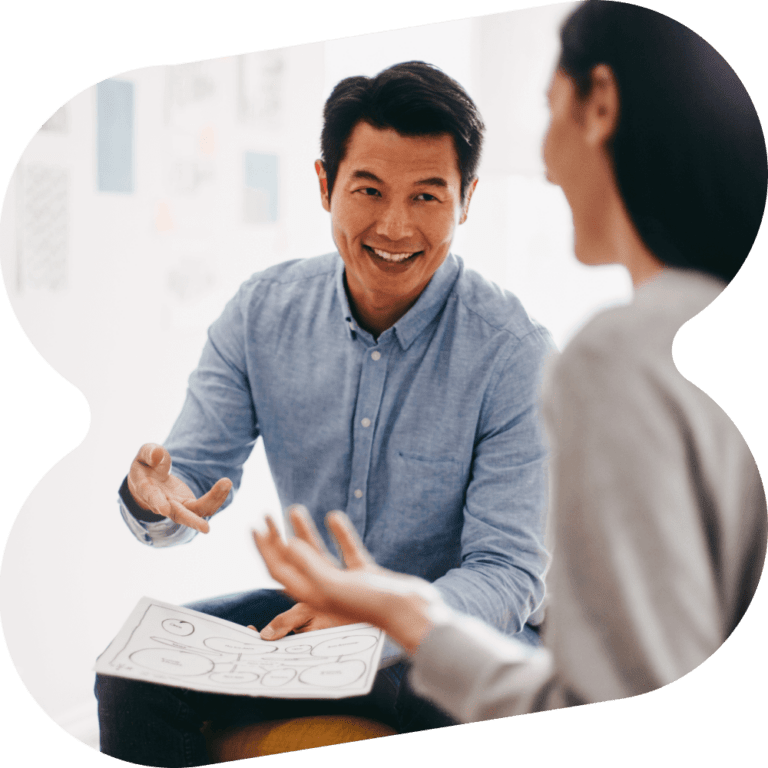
(658, 515)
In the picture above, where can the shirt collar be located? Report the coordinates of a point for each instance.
(420, 315)
(349, 320)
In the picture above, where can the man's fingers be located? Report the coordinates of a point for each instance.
(211, 502)
(160, 504)
(180, 514)
(155, 457)
(292, 619)
(352, 548)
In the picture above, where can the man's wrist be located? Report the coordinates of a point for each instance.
(133, 506)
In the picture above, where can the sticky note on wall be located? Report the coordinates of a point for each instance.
(260, 202)
(114, 131)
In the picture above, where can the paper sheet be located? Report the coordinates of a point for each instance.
(172, 645)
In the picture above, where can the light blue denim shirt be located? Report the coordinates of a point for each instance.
(429, 437)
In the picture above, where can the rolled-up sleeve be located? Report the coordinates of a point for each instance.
(216, 429)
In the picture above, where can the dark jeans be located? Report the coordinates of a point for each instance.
(159, 725)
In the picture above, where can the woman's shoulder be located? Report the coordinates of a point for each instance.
(642, 331)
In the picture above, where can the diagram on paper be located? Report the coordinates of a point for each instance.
(172, 645)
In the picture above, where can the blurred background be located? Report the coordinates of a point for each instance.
(134, 214)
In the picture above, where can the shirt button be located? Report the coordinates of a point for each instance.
(376, 355)
(366, 422)
(358, 494)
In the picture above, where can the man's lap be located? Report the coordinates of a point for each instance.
(391, 700)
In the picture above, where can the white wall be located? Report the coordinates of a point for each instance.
(71, 571)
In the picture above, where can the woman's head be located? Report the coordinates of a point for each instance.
(687, 150)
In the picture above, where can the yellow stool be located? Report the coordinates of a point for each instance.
(278, 736)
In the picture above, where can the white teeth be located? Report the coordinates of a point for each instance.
(394, 257)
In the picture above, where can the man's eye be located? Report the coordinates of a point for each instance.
(370, 191)
(426, 196)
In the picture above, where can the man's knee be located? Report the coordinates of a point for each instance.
(118, 693)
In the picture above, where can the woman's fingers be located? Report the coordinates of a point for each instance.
(277, 565)
(287, 563)
(352, 548)
(270, 545)
(304, 528)
(274, 531)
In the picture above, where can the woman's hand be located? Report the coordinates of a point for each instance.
(362, 591)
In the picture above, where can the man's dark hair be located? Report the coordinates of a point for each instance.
(688, 152)
(413, 98)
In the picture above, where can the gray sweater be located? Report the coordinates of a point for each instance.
(658, 527)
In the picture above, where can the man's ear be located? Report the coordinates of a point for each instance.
(601, 110)
(465, 206)
(324, 198)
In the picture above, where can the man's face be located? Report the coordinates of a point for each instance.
(395, 205)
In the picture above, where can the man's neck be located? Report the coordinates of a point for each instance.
(376, 313)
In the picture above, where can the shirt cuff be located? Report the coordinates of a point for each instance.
(391, 654)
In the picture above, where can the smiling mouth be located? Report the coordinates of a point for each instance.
(391, 258)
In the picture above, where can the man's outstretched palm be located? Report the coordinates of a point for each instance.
(155, 489)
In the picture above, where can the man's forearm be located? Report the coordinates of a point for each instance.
(502, 595)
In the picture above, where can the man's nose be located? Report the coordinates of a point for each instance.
(395, 221)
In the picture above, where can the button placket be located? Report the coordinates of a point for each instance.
(369, 395)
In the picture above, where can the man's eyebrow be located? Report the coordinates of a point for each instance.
(433, 181)
(366, 175)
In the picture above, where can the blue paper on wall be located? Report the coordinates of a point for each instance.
(114, 131)
(260, 187)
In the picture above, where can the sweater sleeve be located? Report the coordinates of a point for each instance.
(473, 672)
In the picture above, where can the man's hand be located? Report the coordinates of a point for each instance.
(363, 591)
(300, 618)
(154, 488)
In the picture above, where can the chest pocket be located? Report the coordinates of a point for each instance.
(419, 529)
(432, 489)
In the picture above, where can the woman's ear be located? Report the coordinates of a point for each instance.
(323, 179)
(601, 110)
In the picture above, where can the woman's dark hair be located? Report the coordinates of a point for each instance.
(413, 98)
(688, 152)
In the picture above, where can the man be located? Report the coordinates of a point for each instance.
(386, 380)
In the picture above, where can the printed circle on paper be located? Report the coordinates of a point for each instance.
(178, 627)
(335, 674)
(343, 646)
(171, 661)
(225, 645)
(278, 677)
